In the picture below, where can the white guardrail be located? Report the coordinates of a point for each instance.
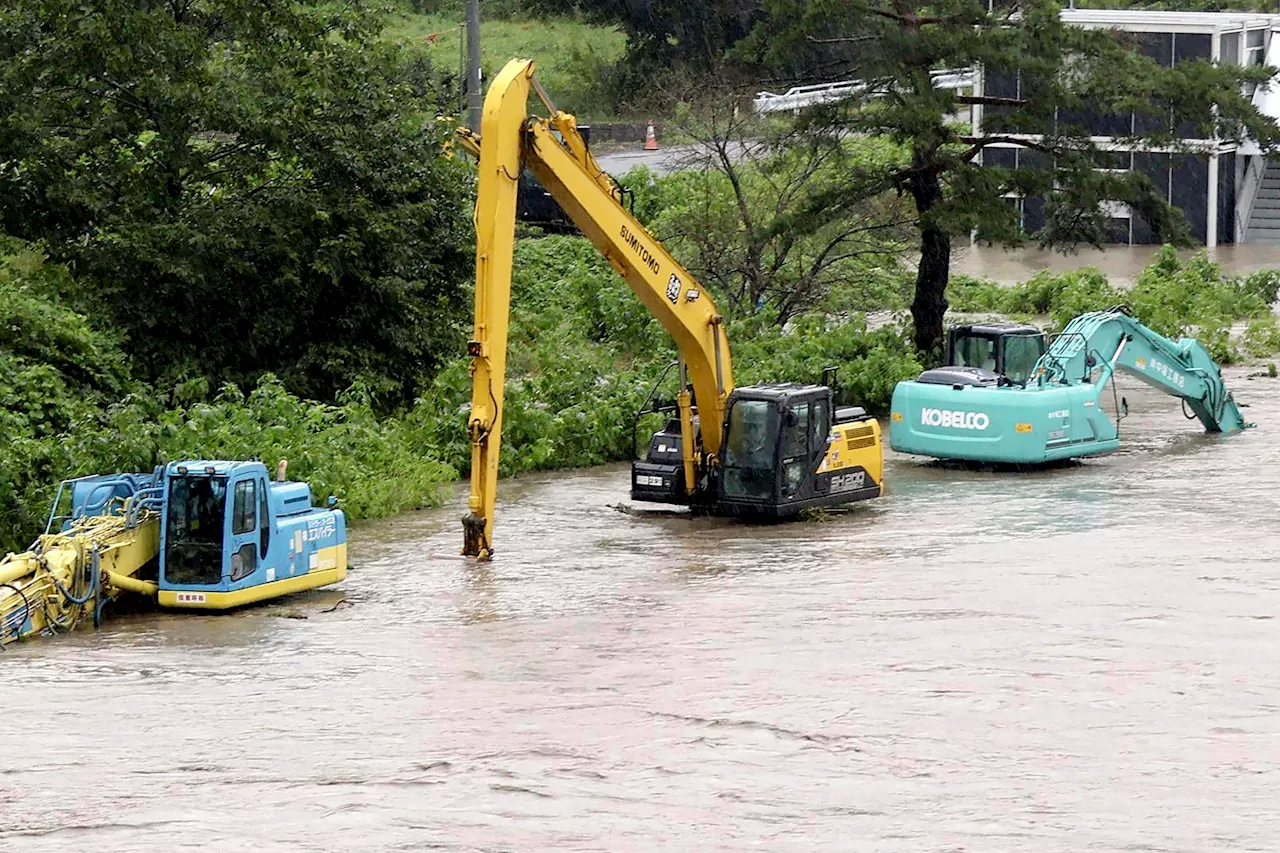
(799, 97)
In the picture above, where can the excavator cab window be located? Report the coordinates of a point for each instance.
(1021, 352)
(750, 451)
(1010, 350)
(976, 351)
(819, 429)
(795, 448)
(194, 529)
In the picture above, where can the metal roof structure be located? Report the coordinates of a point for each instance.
(799, 97)
(1132, 20)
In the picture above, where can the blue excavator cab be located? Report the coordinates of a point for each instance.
(228, 534)
(231, 536)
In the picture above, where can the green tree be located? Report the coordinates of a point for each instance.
(730, 214)
(673, 46)
(55, 368)
(1066, 78)
(243, 187)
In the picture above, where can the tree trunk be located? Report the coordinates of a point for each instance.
(930, 303)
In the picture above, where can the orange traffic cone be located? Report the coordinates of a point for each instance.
(650, 139)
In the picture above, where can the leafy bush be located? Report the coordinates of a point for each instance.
(870, 363)
(1061, 295)
(54, 366)
(270, 195)
(1262, 336)
(346, 450)
(1176, 298)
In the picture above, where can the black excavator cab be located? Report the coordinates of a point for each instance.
(995, 353)
(776, 439)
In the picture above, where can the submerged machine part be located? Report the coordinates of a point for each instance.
(767, 450)
(191, 535)
(1007, 398)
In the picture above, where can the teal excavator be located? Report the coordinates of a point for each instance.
(1007, 397)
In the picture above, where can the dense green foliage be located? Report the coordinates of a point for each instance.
(584, 355)
(239, 238)
(240, 187)
(1175, 298)
(69, 406)
(54, 366)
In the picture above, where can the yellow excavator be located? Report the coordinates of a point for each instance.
(768, 450)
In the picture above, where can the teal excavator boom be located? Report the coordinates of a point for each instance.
(1005, 397)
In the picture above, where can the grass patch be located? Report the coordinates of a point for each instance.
(572, 57)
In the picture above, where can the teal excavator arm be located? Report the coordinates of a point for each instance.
(1094, 345)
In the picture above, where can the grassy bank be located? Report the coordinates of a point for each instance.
(572, 57)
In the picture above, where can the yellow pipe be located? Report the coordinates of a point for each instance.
(149, 588)
(17, 566)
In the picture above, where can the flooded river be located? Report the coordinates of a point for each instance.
(1080, 659)
(1121, 264)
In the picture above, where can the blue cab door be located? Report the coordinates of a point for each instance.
(244, 532)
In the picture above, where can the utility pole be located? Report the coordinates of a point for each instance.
(474, 100)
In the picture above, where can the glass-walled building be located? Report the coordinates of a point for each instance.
(1224, 188)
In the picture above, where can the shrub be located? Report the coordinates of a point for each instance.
(1175, 298)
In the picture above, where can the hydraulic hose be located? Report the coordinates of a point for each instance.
(26, 612)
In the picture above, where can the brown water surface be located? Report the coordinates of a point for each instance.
(1077, 659)
(1122, 264)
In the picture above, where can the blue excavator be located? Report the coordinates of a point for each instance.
(1008, 396)
(193, 535)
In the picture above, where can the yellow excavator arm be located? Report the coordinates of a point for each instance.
(553, 150)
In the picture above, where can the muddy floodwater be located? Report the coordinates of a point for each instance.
(1121, 264)
(1079, 659)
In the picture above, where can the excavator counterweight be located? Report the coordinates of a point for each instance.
(767, 450)
(1007, 398)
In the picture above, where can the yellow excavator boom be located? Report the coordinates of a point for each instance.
(555, 152)
(68, 575)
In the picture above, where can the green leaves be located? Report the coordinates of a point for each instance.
(54, 367)
(1176, 298)
(242, 187)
